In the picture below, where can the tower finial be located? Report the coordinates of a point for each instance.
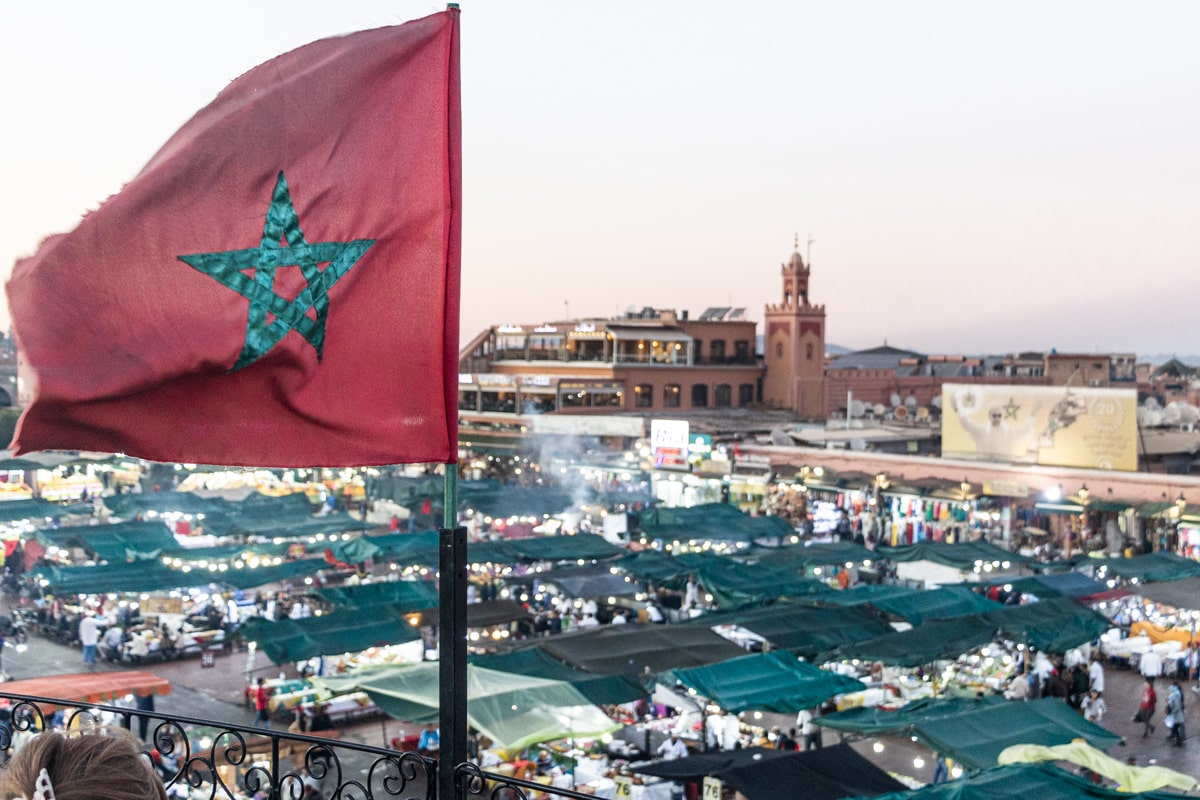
(796, 243)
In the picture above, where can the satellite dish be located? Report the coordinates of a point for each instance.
(856, 424)
(781, 438)
(910, 401)
(922, 413)
(858, 445)
(936, 402)
(901, 412)
(857, 408)
(894, 399)
(880, 409)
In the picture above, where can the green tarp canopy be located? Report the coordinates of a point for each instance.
(260, 512)
(23, 465)
(866, 593)
(227, 552)
(488, 497)
(974, 731)
(118, 541)
(1108, 506)
(120, 577)
(337, 522)
(502, 501)
(344, 630)
(130, 505)
(663, 569)
(513, 710)
(1022, 782)
(803, 630)
(404, 490)
(624, 649)
(16, 510)
(420, 548)
(1056, 584)
(963, 555)
(582, 546)
(1183, 594)
(561, 548)
(733, 585)
(816, 555)
(591, 581)
(404, 596)
(1148, 567)
(599, 689)
(251, 577)
(1054, 626)
(710, 522)
(776, 682)
(942, 603)
(938, 639)
(497, 552)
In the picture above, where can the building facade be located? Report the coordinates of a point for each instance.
(645, 362)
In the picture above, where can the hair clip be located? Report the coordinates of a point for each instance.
(43, 789)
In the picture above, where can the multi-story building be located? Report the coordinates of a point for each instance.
(646, 362)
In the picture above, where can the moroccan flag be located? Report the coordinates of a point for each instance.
(279, 286)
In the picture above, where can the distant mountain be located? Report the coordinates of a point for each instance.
(1160, 358)
(836, 350)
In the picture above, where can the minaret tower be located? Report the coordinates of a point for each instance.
(794, 345)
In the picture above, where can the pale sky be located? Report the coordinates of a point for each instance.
(976, 177)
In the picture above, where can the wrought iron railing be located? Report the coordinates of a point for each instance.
(220, 761)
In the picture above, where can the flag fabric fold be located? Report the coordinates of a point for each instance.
(279, 286)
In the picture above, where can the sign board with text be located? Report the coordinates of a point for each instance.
(669, 443)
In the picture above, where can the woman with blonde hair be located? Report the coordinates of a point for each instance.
(103, 764)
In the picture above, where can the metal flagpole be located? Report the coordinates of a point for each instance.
(452, 639)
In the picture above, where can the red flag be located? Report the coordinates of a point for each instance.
(279, 286)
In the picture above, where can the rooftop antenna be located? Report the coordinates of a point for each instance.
(566, 311)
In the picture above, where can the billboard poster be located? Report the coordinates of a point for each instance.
(1064, 426)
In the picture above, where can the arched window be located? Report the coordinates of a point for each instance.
(671, 395)
(779, 349)
(723, 395)
(699, 395)
(808, 351)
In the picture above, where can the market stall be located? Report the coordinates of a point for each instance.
(513, 710)
(776, 681)
(757, 774)
(90, 687)
(974, 731)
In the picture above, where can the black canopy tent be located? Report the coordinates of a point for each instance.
(761, 774)
(627, 649)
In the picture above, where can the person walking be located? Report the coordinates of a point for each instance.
(1145, 712)
(1093, 707)
(810, 732)
(89, 637)
(1175, 715)
(262, 698)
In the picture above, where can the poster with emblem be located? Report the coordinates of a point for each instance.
(1065, 426)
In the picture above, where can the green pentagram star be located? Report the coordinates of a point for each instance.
(271, 316)
(1011, 409)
